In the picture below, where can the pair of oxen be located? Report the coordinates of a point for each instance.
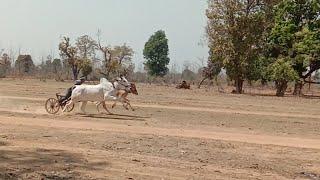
(102, 92)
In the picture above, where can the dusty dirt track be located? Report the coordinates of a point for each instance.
(173, 134)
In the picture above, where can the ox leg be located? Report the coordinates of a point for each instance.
(83, 107)
(132, 109)
(128, 104)
(105, 107)
(124, 102)
(125, 105)
(97, 106)
(113, 98)
(67, 105)
(114, 104)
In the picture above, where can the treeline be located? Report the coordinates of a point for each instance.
(264, 40)
(250, 41)
(84, 56)
(60, 70)
(88, 57)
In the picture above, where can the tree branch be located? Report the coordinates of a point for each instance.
(103, 74)
(311, 82)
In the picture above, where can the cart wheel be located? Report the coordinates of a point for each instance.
(69, 108)
(52, 106)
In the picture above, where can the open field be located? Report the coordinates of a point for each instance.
(173, 134)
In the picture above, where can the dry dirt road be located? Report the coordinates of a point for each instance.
(173, 134)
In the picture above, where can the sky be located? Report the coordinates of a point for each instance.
(36, 26)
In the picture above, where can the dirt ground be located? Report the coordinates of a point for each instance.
(173, 134)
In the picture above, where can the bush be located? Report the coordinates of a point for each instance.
(281, 72)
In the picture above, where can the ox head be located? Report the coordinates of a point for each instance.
(124, 80)
(133, 89)
(122, 83)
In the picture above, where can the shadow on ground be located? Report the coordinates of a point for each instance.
(116, 117)
(45, 164)
(306, 96)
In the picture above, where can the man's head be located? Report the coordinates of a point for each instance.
(82, 79)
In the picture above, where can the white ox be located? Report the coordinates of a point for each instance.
(97, 93)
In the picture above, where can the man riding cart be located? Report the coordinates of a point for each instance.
(69, 90)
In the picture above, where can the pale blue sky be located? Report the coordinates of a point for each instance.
(37, 25)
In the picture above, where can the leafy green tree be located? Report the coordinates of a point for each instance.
(236, 33)
(308, 46)
(282, 72)
(295, 36)
(156, 52)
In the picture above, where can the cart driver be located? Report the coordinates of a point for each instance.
(69, 90)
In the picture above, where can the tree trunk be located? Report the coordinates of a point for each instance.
(201, 82)
(281, 88)
(238, 84)
(75, 72)
(298, 88)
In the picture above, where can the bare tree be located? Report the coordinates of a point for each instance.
(106, 56)
(12, 55)
(86, 47)
(116, 60)
(69, 52)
